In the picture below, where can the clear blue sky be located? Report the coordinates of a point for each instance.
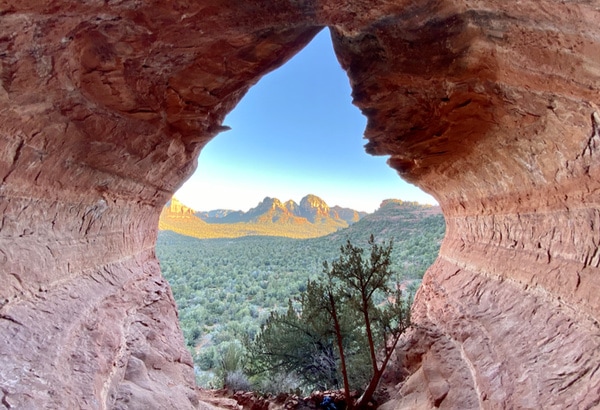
(295, 133)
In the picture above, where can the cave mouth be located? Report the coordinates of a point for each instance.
(492, 107)
(293, 134)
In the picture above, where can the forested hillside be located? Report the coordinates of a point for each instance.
(225, 288)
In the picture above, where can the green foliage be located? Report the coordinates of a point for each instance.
(231, 364)
(361, 280)
(232, 357)
(226, 288)
(365, 281)
(207, 358)
(288, 344)
(337, 331)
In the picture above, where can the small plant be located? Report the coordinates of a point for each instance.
(231, 367)
(237, 380)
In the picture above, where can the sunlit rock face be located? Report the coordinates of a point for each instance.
(490, 106)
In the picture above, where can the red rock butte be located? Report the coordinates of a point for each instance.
(491, 106)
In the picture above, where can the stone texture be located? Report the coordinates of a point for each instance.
(103, 111)
(492, 107)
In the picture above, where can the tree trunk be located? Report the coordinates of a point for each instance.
(338, 336)
(374, 382)
(365, 309)
(364, 398)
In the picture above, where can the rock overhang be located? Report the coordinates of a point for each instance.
(491, 107)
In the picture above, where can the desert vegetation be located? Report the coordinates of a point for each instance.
(228, 289)
(342, 330)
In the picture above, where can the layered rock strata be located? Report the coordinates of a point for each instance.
(103, 111)
(493, 107)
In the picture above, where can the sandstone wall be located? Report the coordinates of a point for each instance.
(490, 106)
(494, 109)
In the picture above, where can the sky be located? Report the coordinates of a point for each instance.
(295, 133)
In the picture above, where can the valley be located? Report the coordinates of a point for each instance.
(226, 287)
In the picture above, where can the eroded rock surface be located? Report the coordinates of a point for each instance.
(490, 106)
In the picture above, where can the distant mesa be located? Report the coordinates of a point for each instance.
(311, 218)
(219, 215)
(311, 209)
(176, 209)
(314, 209)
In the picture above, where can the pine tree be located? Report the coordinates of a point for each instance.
(339, 324)
(364, 280)
(289, 344)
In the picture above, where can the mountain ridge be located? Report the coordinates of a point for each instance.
(311, 218)
(311, 207)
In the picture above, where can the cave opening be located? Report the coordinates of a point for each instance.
(492, 106)
(295, 135)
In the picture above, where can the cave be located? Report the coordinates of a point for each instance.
(491, 107)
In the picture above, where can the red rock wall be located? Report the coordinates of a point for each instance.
(500, 121)
(103, 111)
(490, 106)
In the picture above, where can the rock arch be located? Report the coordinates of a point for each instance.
(491, 107)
